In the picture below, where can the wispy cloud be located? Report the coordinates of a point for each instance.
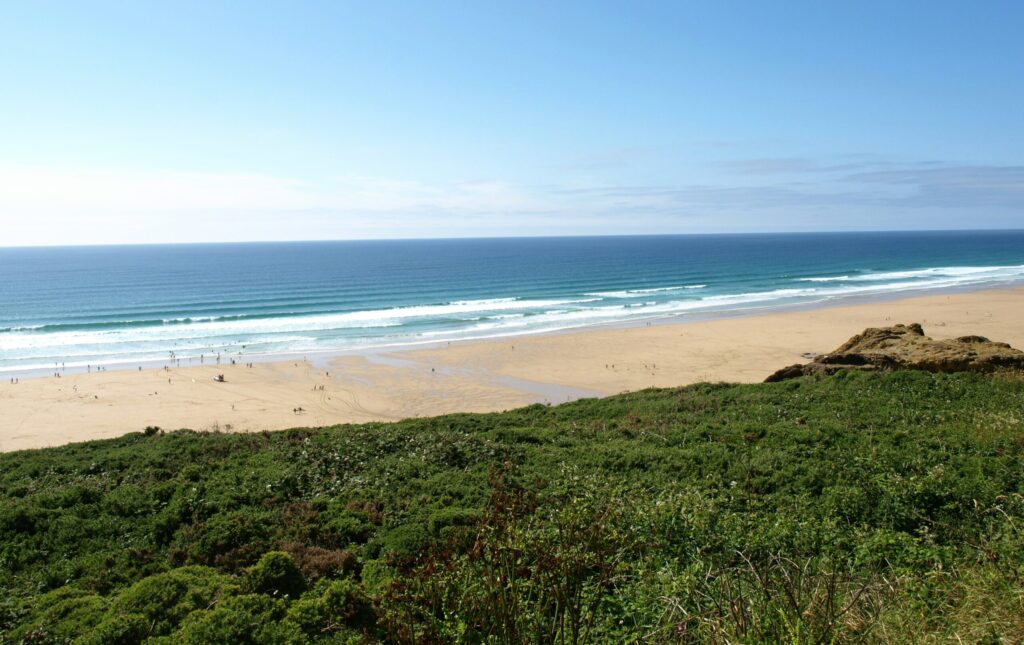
(605, 158)
(33, 189)
(797, 165)
(954, 186)
(929, 183)
(46, 205)
(771, 165)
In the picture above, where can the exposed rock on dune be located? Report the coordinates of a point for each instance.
(905, 347)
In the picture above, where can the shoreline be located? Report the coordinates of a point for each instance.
(323, 357)
(476, 375)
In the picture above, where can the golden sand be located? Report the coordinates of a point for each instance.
(472, 376)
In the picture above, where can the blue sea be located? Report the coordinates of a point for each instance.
(128, 305)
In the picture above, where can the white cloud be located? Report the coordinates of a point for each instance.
(69, 206)
(62, 206)
(34, 189)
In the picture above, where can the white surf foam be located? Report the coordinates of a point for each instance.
(484, 318)
(963, 272)
(636, 293)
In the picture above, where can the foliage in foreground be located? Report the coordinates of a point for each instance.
(861, 507)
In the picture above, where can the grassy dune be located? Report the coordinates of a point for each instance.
(859, 507)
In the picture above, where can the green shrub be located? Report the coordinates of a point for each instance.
(345, 527)
(861, 508)
(345, 603)
(405, 541)
(241, 620)
(377, 576)
(440, 522)
(19, 518)
(231, 540)
(309, 615)
(128, 501)
(59, 616)
(276, 574)
(166, 599)
(117, 629)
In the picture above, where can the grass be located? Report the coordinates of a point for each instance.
(855, 508)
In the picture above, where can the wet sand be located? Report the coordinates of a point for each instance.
(471, 376)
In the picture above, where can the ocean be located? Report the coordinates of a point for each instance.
(123, 306)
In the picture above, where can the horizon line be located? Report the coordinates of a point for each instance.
(509, 237)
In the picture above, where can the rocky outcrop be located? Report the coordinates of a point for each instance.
(905, 347)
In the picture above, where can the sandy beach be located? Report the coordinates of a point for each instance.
(472, 376)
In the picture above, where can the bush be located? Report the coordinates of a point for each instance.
(117, 629)
(241, 620)
(316, 562)
(377, 576)
(347, 527)
(345, 603)
(19, 518)
(441, 522)
(230, 540)
(166, 599)
(863, 508)
(405, 541)
(333, 608)
(60, 615)
(276, 574)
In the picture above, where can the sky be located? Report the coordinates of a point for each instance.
(162, 122)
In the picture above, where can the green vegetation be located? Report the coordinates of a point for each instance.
(859, 507)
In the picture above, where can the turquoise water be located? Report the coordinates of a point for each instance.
(124, 305)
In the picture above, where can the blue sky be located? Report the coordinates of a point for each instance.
(213, 121)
